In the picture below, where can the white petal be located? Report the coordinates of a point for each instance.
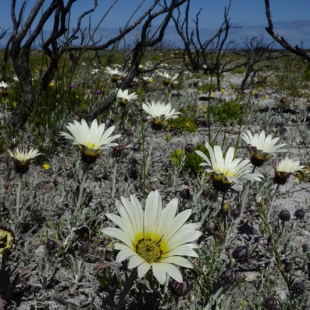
(118, 234)
(184, 249)
(178, 260)
(160, 271)
(177, 222)
(135, 261)
(143, 269)
(153, 209)
(125, 252)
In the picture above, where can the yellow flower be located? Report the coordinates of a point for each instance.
(7, 239)
(266, 97)
(225, 207)
(51, 84)
(46, 166)
(14, 104)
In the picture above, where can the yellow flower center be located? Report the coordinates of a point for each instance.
(149, 250)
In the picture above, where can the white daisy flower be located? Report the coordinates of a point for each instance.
(22, 158)
(95, 71)
(154, 238)
(167, 78)
(115, 74)
(158, 112)
(284, 169)
(3, 84)
(124, 97)
(226, 170)
(261, 147)
(91, 140)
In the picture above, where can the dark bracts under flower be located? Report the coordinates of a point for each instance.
(157, 125)
(281, 177)
(21, 167)
(220, 182)
(258, 157)
(122, 102)
(89, 156)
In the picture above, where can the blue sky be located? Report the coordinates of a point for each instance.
(245, 13)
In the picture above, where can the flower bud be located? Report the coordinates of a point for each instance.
(228, 276)
(235, 213)
(117, 151)
(179, 288)
(241, 254)
(185, 194)
(189, 148)
(298, 288)
(50, 245)
(271, 303)
(284, 215)
(300, 214)
(83, 248)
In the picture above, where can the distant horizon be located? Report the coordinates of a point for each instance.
(291, 18)
(238, 35)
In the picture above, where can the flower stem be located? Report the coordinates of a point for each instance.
(18, 196)
(206, 212)
(263, 217)
(272, 201)
(126, 289)
(113, 180)
(143, 150)
(222, 214)
(82, 185)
